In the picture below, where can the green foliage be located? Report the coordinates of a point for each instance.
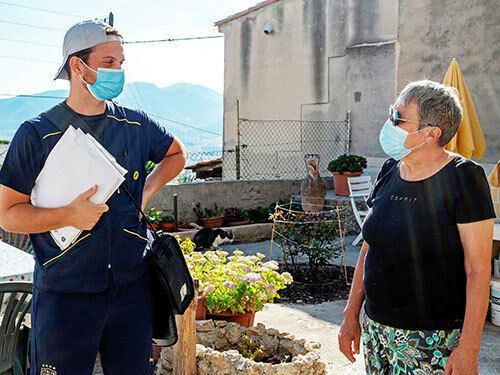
(252, 349)
(311, 235)
(259, 214)
(167, 219)
(154, 215)
(264, 214)
(235, 214)
(347, 163)
(236, 283)
(203, 213)
(4, 142)
(184, 223)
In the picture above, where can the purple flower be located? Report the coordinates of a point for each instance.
(271, 288)
(253, 277)
(229, 285)
(247, 269)
(240, 277)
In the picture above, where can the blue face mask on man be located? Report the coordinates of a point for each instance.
(108, 85)
(392, 138)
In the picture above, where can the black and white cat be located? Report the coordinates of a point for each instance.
(207, 238)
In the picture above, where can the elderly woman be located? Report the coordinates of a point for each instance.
(424, 268)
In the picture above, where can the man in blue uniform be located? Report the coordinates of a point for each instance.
(95, 295)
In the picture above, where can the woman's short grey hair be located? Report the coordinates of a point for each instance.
(438, 105)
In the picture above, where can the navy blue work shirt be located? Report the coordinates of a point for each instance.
(113, 251)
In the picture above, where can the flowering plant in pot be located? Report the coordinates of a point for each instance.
(210, 217)
(167, 223)
(235, 287)
(235, 216)
(343, 167)
(154, 216)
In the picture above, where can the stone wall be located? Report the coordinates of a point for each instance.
(215, 353)
(232, 193)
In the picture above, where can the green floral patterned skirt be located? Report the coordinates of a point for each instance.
(393, 351)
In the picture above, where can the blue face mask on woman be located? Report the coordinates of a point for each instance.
(108, 85)
(392, 138)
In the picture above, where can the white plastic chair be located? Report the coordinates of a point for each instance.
(359, 187)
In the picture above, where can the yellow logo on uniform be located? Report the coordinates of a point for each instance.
(48, 370)
(136, 175)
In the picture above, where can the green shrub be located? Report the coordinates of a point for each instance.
(347, 163)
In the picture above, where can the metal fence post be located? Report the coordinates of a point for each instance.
(348, 124)
(238, 160)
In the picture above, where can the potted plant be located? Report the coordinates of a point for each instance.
(184, 225)
(234, 216)
(167, 223)
(153, 216)
(343, 167)
(210, 217)
(260, 214)
(235, 287)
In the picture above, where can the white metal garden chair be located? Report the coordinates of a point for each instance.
(359, 187)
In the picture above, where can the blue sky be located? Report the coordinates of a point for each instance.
(199, 62)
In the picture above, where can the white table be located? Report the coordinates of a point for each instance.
(15, 264)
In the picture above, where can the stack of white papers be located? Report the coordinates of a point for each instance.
(76, 163)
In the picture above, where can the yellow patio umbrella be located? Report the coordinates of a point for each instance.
(469, 140)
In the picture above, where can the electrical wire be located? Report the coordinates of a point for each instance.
(42, 10)
(187, 125)
(30, 42)
(29, 25)
(27, 59)
(157, 116)
(34, 96)
(173, 39)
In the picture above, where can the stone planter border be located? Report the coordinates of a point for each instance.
(215, 337)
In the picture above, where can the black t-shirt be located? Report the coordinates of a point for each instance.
(96, 123)
(414, 269)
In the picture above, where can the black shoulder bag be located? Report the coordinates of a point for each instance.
(173, 287)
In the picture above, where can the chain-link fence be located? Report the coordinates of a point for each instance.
(275, 149)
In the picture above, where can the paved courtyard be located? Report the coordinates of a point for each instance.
(321, 322)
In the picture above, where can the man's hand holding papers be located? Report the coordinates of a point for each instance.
(83, 213)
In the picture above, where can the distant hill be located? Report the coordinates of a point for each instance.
(187, 103)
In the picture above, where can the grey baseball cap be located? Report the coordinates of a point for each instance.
(81, 36)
